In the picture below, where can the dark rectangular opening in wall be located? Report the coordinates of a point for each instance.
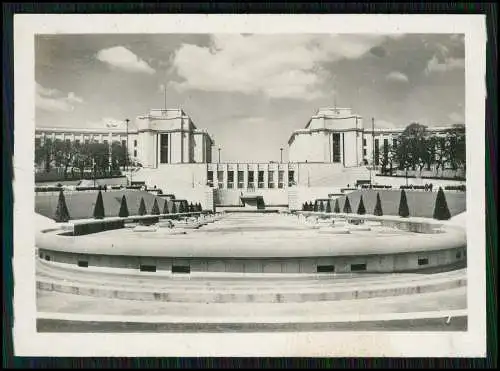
(40, 255)
(458, 255)
(47, 258)
(83, 264)
(147, 268)
(181, 269)
(325, 269)
(358, 267)
(423, 261)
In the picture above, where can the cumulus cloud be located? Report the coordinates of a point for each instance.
(436, 65)
(280, 66)
(456, 117)
(397, 76)
(122, 58)
(106, 122)
(54, 100)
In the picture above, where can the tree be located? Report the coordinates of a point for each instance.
(336, 208)
(441, 211)
(123, 208)
(117, 155)
(142, 207)
(455, 147)
(321, 208)
(361, 206)
(191, 208)
(304, 207)
(155, 210)
(174, 208)
(99, 207)
(199, 208)
(62, 213)
(328, 207)
(165, 207)
(311, 206)
(378, 207)
(403, 205)
(347, 206)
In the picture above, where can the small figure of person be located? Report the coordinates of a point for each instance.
(426, 187)
(430, 187)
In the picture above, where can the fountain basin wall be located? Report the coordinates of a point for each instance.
(304, 251)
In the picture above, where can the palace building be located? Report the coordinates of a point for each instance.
(333, 150)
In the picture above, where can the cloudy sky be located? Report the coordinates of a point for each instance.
(249, 91)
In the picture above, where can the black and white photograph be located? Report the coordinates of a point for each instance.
(249, 185)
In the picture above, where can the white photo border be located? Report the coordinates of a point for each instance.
(27, 342)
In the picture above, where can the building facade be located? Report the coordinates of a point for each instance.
(333, 150)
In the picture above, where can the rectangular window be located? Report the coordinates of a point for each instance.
(423, 261)
(38, 142)
(270, 179)
(364, 142)
(261, 179)
(291, 178)
(147, 268)
(181, 269)
(281, 176)
(458, 255)
(83, 264)
(68, 141)
(230, 179)
(124, 143)
(241, 182)
(210, 178)
(251, 180)
(135, 142)
(394, 142)
(220, 178)
(386, 150)
(135, 153)
(376, 150)
(87, 141)
(163, 148)
(364, 151)
(358, 267)
(325, 269)
(336, 147)
(77, 141)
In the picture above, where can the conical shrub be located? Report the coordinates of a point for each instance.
(311, 206)
(62, 213)
(156, 209)
(328, 207)
(191, 208)
(441, 211)
(361, 206)
(378, 207)
(174, 208)
(321, 206)
(142, 207)
(403, 211)
(336, 208)
(347, 206)
(165, 207)
(99, 207)
(200, 209)
(315, 207)
(304, 207)
(123, 208)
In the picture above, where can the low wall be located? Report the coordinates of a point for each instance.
(397, 181)
(437, 245)
(231, 197)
